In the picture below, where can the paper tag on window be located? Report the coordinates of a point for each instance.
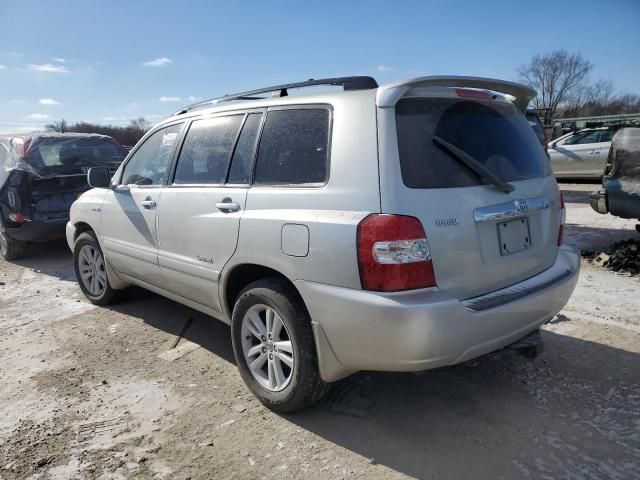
(168, 139)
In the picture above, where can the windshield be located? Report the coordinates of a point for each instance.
(73, 155)
(494, 134)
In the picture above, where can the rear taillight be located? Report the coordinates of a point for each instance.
(25, 147)
(393, 254)
(563, 218)
(17, 218)
(477, 94)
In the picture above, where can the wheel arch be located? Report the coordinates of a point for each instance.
(241, 275)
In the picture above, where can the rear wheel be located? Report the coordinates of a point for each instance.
(10, 248)
(274, 346)
(91, 271)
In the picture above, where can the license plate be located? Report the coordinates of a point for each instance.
(514, 236)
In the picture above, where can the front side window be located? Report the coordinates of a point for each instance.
(583, 138)
(150, 163)
(206, 150)
(294, 147)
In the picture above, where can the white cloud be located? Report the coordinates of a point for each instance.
(59, 60)
(108, 119)
(385, 68)
(158, 62)
(38, 116)
(2, 67)
(169, 99)
(48, 101)
(16, 54)
(47, 67)
(191, 98)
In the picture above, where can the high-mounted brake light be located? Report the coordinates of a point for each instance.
(477, 94)
(393, 254)
(563, 218)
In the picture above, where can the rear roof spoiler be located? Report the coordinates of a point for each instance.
(388, 95)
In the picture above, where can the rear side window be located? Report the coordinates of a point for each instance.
(240, 171)
(495, 134)
(206, 150)
(294, 147)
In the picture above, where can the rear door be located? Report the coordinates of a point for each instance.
(480, 238)
(129, 211)
(200, 213)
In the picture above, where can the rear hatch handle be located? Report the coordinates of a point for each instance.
(480, 170)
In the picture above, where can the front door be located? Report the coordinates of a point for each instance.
(578, 154)
(199, 220)
(129, 211)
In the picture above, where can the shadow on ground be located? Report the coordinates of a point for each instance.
(595, 239)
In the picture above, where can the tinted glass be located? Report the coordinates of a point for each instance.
(68, 155)
(294, 147)
(583, 138)
(206, 150)
(240, 171)
(495, 134)
(606, 136)
(150, 162)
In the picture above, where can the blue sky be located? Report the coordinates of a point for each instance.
(112, 61)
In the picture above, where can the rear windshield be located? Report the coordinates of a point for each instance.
(495, 134)
(73, 155)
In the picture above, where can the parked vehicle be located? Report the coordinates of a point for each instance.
(621, 181)
(40, 177)
(580, 154)
(401, 228)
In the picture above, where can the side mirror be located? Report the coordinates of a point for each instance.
(99, 177)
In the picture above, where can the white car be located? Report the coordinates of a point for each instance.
(581, 154)
(401, 228)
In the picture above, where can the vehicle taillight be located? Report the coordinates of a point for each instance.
(478, 94)
(25, 147)
(563, 218)
(393, 254)
(17, 218)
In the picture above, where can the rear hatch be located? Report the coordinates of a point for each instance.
(488, 225)
(59, 166)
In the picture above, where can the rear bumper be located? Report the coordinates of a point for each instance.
(424, 329)
(598, 201)
(38, 231)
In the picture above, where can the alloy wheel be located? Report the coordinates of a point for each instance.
(267, 347)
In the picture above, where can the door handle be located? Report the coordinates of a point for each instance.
(148, 204)
(227, 205)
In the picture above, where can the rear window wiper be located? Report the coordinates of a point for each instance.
(475, 166)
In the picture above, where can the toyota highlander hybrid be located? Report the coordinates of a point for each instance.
(400, 227)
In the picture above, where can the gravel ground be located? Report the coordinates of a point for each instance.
(84, 393)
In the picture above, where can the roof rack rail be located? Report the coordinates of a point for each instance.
(347, 83)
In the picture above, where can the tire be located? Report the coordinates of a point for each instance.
(88, 259)
(10, 248)
(303, 385)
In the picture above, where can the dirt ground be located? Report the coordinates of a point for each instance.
(84, 393)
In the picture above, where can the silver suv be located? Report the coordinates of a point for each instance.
(401, 228)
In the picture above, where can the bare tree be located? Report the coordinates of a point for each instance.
(556, 76)
(140, 125)
(60, 126)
